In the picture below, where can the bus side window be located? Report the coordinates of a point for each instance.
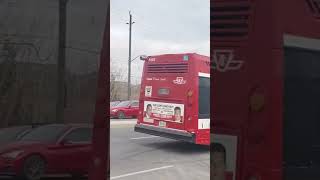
(204, 97)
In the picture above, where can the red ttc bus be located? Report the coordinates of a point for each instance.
(175, 97)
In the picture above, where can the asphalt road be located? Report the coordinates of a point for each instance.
(136, 156)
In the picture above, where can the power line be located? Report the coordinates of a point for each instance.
(145, 25)
(119, 16)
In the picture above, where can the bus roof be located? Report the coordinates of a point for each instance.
(181, 57)
(180, 54)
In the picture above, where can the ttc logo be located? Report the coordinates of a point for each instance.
(179, 80)
(223, 60)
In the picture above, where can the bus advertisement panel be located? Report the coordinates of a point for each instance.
(165, 111)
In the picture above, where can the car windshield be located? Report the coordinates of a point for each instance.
(112, 104)
(45, 133)
(10, 134)
(123, 104)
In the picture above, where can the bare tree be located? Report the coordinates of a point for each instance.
(8, 84)
(13, 80)
(116, 75)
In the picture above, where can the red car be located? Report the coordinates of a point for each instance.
(125, 109)
(49, 149)
(12, 134)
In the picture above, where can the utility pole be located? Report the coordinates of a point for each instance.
(129, 59)
(61, 91)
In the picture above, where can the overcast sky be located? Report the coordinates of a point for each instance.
(161, 26)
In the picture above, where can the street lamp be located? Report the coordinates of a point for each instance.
(129, 76)
(136, 58)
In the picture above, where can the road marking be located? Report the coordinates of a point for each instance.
(122, 122)
(140, 172)
(148, 137)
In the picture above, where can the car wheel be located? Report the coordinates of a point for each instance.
(121, 115)
(33, 168)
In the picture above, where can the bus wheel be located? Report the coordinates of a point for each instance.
(121, 115)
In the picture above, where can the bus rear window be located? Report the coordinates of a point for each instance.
(163, 91)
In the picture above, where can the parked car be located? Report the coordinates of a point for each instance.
(49, 149)
(114, 103)
(125, 109)
(12, 134)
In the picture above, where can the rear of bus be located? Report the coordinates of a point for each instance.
(169, 98)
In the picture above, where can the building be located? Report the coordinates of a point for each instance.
(28, 58)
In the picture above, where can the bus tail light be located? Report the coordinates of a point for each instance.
(257, 101)
(189, 95)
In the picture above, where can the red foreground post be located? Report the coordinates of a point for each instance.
(100, 164)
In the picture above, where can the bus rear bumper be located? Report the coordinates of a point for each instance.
(165, 132)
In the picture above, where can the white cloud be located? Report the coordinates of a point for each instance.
(162, 26)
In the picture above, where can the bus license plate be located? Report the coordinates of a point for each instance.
(162, 124)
